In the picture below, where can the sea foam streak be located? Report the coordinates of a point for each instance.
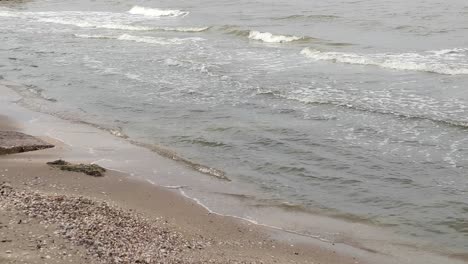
(153, 40)
(142, 39)
(92, 36)
(270, 38)
(451, 62)
(154, 12)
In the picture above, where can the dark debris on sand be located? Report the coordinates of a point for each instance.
(89, 169)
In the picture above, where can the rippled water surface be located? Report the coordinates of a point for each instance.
(351, 109)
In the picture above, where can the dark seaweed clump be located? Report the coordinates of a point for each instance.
(89, 169)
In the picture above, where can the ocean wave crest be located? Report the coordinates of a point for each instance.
(105, 20)
(154, 12)
(270, 38)
(448, 61)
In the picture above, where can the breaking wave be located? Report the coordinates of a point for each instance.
(154, 12)
(448, 61)
(270, 38)
(261, 36)
(122, 26)
(104, 20)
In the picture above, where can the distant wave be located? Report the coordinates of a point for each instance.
(154, 12)
(85, 24)
(106, 20)
(144, 39)
(270, 38)
(449, 61)
(307, 17)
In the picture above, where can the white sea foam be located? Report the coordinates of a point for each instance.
(184, 29)
(92, 36)
(151, 40)
(270, 38)
(154, 12)
(143, 39)
(449, 61)
(8, 14)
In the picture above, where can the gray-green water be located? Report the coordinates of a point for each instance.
(352, 109)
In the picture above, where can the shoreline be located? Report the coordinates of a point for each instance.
(184, 212)
(153, 202)
(230, 240)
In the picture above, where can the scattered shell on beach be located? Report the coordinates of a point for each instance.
(107, 233)
(110, 235)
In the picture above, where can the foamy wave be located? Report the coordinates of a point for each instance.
(105, 20)
(270, 38)
(154, 12)
(85, 24)
(185, 29)
(143, 39)
(450, 61)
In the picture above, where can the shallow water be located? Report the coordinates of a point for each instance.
(351, 109)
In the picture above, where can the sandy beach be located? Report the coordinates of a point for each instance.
(52, 216)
